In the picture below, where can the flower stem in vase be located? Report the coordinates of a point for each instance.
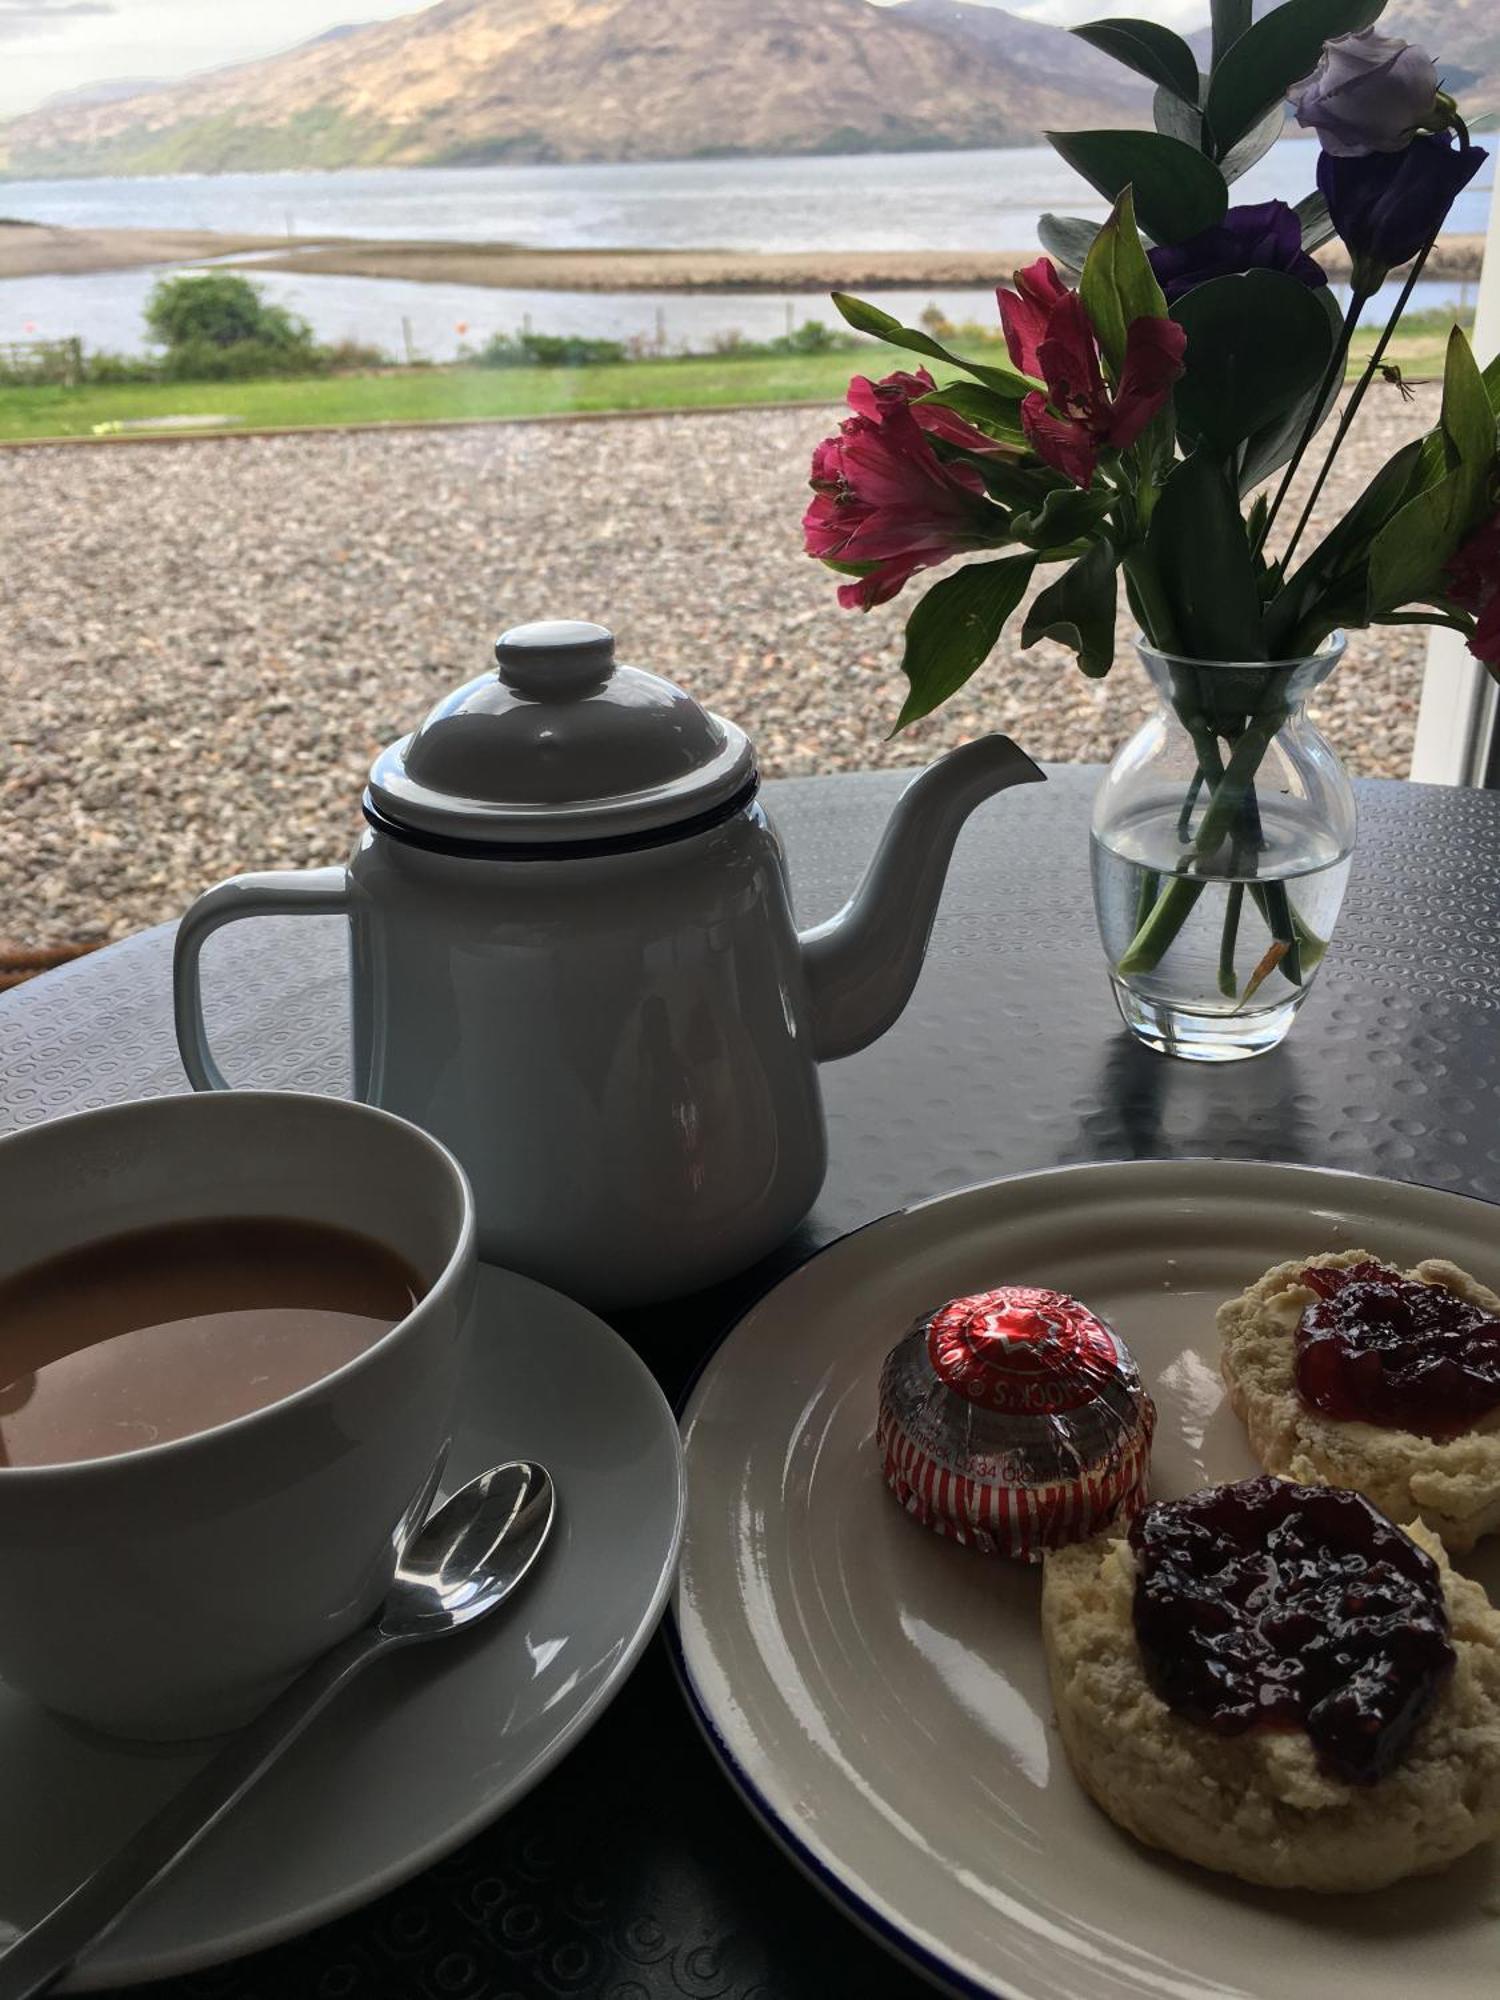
(1231, 795)
(1351, 411)
(1229, 985)
(1149, 890)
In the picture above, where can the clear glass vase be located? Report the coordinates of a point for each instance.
(1222, 840)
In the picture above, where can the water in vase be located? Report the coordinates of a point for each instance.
(1249, 948)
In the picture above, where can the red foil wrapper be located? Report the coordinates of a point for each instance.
(1015, 1420)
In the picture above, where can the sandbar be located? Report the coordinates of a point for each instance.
(34, 249)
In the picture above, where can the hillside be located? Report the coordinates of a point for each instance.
(1464, 35)
(1032, 54)
(492, 80)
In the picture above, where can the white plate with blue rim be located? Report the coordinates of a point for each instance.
(428, 1746)
(879, 1695)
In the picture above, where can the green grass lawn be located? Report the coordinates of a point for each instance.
(1418, 355)
(426, 395)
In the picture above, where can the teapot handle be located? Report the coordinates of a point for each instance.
(276, 893)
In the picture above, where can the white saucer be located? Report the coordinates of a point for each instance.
(879, 1694)
(430, 1745)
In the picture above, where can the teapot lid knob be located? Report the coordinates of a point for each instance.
(556, 659)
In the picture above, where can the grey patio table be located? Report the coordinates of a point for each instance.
(633, 1872)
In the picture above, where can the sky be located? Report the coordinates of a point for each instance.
(52, 45)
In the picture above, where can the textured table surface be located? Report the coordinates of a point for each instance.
(633, 1873)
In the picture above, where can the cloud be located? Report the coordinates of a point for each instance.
(24, 17)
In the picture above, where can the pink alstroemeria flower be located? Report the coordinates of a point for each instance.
(1474, 583)
(884, 500)
(1049, 335)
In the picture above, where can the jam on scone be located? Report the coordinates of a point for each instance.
(1266, 1604)
(1350, 1373)
(1273, 1680)
(1384, 1349)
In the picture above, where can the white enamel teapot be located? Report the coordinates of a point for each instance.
(573, 960)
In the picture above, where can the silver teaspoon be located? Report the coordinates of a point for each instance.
(461, 1563)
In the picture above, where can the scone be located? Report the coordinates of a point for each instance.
(1450, 1483)
(1261, 1804)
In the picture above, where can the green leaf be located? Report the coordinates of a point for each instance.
(954, 628)
(1065, 515)
(865, 318)
(1412, 549)
(1066, 240)
(1118, 283)
(1257, 343)
(1078, 609)
(1177, 191)
(1467, 418)
(1347, 541)
(1408, 556)
(986, 409)
(1257, 142)
(1019, 486)
(1268, 449)
(1175, 119)
(1317, 223)
(1491, 379)
(1258, 520)
(1198, 547)
(1330, 586)
(1150, 50)
(1269, 56)
(1230, 20)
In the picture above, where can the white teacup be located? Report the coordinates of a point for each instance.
(168, 1592)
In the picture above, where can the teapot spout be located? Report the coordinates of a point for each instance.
(862, 964)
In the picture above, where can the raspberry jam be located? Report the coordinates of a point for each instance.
(1386, 1350)
(1294, 1606)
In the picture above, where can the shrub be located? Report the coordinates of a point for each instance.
(107, 368)
(549, 350)
(346, 357)
(240, 361)
(812, 337)
(937, 323)
(219, 309)
(216, 327)
(31, 364)
(62, 363)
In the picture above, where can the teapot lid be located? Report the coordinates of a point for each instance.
(562, 746)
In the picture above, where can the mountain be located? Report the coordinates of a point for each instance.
(1032, 53)
(107, 92)
(1464, 37)
(492, 80)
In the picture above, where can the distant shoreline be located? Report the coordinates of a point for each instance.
(42, 249)
(38, 249)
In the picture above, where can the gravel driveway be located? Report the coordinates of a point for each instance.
(202, 645)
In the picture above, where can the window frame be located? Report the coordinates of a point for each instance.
(1458, 722)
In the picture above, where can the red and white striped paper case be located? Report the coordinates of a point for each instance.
(1015, 1420)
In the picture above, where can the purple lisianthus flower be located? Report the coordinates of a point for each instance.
(1369, 94)
(1262, 236)
(1387, 207)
